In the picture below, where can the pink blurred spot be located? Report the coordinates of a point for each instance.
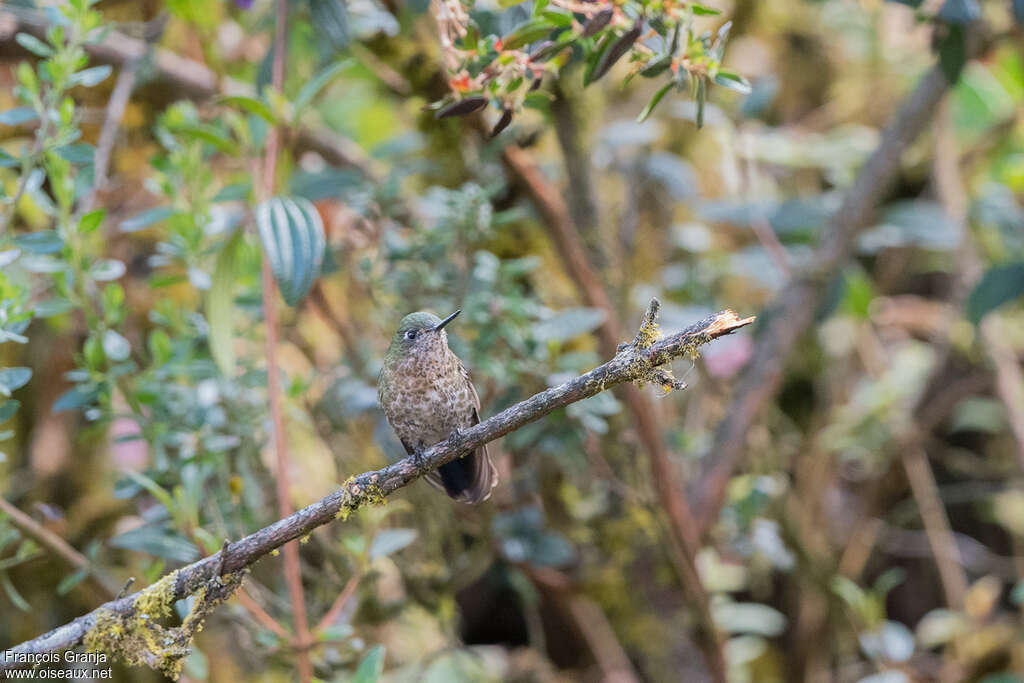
(727, 355)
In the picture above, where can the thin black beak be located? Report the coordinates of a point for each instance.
(440, 326)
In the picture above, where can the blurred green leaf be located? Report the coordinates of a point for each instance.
(106, 270)
(371, 667)
(653, 102)
(92, 76)
(998, 286)
(732, 81)
(388, 541)
(34, 45)
(158, 541)
(147, 218)
(17, 116)
(12, 379)
(8, 409)
(567, 324)
(42, 242)
(330, 18)
(318, 83)
(116, 346)
(12, 593)
(220, 299)
(252, 105)
(749, 617)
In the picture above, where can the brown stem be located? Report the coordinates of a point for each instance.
(632, 363)
(334, 612)
(292, 564)
(261, 615)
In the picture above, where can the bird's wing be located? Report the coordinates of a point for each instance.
(485, 475)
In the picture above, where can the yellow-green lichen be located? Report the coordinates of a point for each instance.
(137, 638)
(649, 333)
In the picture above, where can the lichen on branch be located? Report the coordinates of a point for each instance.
(128, 628)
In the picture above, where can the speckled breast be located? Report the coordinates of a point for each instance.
(426, 400)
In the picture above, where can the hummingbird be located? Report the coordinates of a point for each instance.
(427, 396)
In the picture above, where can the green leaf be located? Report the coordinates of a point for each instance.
(52, 307)
(595, 57)
(557, 18)
(107, 269)
(116, 346)
(952, 48)
(701, 95)
(389, 541)
(654, 102)
(91, 77)
(614, 53)
(330, 17)
(17, 116)
(999, 286)
(371, 667)
(91, 221)
(209, 134)
(960, 11)
(42, 242)
(702, 11)
(75, 398)
(318, 82)
(12, 379)
(14, 595)
(732, 81)
(78, 154)
(147, 218)
(7, 161)
(156, 541)
(8, 409)
(72, 580)
(154, 489)
(526, 33)
(34, 45)
(749, 617)
(253, 105)
(292, 234)
(220, 299)
(568, 324)
(160, 347)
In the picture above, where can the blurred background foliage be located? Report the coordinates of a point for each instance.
(875, 530)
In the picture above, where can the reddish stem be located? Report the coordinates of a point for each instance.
(292, 566)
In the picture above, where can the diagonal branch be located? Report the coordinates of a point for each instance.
(637, 361)
(792, 313)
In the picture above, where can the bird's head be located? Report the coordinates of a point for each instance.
(421, 334)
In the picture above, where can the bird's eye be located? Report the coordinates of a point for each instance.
(411, 334)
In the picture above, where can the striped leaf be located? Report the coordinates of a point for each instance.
(292, 234)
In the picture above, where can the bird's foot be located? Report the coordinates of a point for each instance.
(454, 437)
(417, 458)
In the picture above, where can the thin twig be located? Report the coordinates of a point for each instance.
(338, 605)
(119, 97)
(55, 545)
(261, 615)
(629, 364)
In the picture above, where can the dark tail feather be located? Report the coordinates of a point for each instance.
(469, 479)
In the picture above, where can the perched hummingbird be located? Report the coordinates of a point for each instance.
(427, 396)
